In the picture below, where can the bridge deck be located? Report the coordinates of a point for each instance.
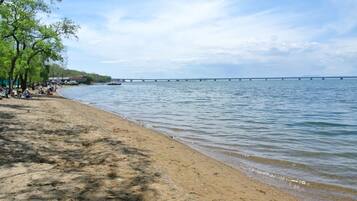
(236, 79)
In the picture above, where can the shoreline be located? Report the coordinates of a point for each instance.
(292, 187)
(301, 189)
(174, 170)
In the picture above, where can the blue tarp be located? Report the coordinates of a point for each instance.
(5, 82)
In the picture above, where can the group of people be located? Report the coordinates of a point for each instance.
(26, 94)
(5, 93)
(47, 90)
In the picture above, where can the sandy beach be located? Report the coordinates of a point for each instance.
(52, 148)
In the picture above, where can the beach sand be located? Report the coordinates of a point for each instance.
(52, 148)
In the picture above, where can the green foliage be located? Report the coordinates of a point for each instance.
(27, 43)
(56, 70)
(88, 80)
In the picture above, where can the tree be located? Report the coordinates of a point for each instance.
(27, 39)
(46, 45)
(17, 24)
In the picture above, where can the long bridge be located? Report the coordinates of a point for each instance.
(234, 79)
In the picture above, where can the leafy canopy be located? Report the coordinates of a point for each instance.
(27, 43)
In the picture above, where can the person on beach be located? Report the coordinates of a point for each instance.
(41, 91)
(26, 94)
(2, 92)
(18, 93)
(6, 91)
(13, 93)
(49, 91)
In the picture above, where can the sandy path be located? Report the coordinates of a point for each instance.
(57, 149)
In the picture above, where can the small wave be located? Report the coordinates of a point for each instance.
(313, 154)
(320, 124)
(335, 189)
(184, 102)
(336, 133)
(268, 161)
(168, 128)
(280, 177)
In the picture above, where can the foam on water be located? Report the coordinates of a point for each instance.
(290, 133)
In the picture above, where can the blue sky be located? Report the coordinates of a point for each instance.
(213, 38)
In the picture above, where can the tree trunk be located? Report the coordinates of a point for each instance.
(14, 81)
(24, 81)
(21, 80)
(18, 82)
(9, 81)
(11, 74)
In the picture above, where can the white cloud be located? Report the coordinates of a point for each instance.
(180, 33)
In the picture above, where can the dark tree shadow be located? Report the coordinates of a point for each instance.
(14, 106)
(132, 189)
(18, 152)
(44, 97)
(5, 116)
(14, 149)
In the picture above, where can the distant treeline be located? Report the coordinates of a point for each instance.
(58, 71)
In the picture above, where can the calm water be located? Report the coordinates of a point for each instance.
(301, 135)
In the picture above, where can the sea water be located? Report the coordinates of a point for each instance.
(299, 135)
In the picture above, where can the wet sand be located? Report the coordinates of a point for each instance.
(52, 148)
